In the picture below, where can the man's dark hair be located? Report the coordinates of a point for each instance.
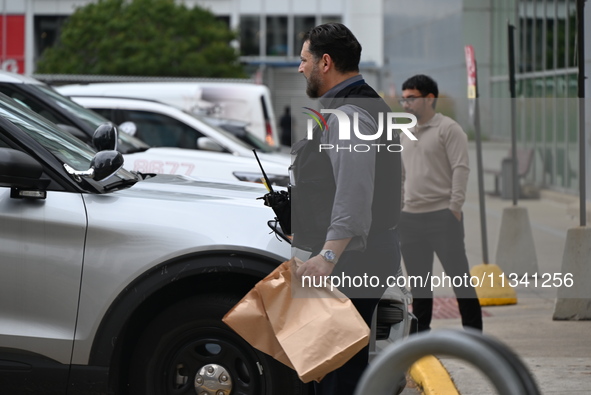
(336, 40)
(423, 84)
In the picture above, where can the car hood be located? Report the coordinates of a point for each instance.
(204, 165)
(166, 216)
(280, 158)
(273, 163)
(181, 188)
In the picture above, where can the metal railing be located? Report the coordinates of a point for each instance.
(506, 371)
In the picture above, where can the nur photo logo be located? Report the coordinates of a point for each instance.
(316, 116)
(387, 122)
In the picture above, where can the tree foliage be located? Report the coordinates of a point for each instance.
(143, 37)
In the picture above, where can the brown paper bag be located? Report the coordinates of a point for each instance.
(249, 320)
(312, 330)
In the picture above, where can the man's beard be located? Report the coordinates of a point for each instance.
(313, 84)
(411, 112)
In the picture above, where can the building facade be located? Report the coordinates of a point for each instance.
(546, 71)
(270, 34)
(400, 38)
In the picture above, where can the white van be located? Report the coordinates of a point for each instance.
(244, 101)
(241, 101)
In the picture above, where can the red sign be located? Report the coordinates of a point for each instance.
(471, 71)
(12, 43)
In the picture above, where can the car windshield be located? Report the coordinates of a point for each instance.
(259, 144)
(240, 130)
(223, 132)
(127, 143)
(65, 147)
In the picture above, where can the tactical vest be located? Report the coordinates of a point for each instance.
(313, 195)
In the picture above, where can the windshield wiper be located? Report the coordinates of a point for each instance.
(133, 150)
(122, 183)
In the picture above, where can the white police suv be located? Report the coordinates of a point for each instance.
(115, 282)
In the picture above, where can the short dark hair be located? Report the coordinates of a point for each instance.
(424, 84)
(336, 40)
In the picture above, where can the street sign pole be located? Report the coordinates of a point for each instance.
(511, 47)
(475, 115)
(581, 95)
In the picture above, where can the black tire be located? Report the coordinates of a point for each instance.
(382, 331)
(389, 314)
(190, 335)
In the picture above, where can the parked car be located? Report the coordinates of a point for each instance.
(164, 125)
(242, 101)
(112, 280)
(115, 282)
(138, 155)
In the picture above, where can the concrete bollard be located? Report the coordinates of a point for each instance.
(516, 252)
(573, 300)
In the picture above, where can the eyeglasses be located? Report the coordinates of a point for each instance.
(409, 99)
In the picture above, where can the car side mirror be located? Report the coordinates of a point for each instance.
(207, 144)
(105, 137)
(103, 165)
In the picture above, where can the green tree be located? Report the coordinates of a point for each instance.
(143, 37)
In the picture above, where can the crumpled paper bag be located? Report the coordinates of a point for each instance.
(313, 330)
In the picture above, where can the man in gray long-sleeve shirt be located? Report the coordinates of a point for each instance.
(435, 174)
(346, 199)
(354, 174)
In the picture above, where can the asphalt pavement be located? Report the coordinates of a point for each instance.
(557, 353)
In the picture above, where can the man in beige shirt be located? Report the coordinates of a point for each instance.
(435, 175)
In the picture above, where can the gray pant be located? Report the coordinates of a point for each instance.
(438, 232)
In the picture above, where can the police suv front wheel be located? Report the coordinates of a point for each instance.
(187, 349)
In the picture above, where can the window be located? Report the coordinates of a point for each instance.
(330, 18)
(47, 30)
(62, 145)
(546, 37)
(250, 32)
(105, 112)
(225, 19)
(276, 35)
(159, 130)
(283, 34)
(301, 25)
(31, 103)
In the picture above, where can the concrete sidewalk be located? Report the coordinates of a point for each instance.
(558, 353)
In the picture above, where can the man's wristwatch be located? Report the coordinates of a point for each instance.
(329, 256)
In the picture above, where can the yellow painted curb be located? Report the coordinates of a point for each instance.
(494, 288)
(432, 377)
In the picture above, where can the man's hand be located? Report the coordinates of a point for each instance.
(457, 214)
(315, 267)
